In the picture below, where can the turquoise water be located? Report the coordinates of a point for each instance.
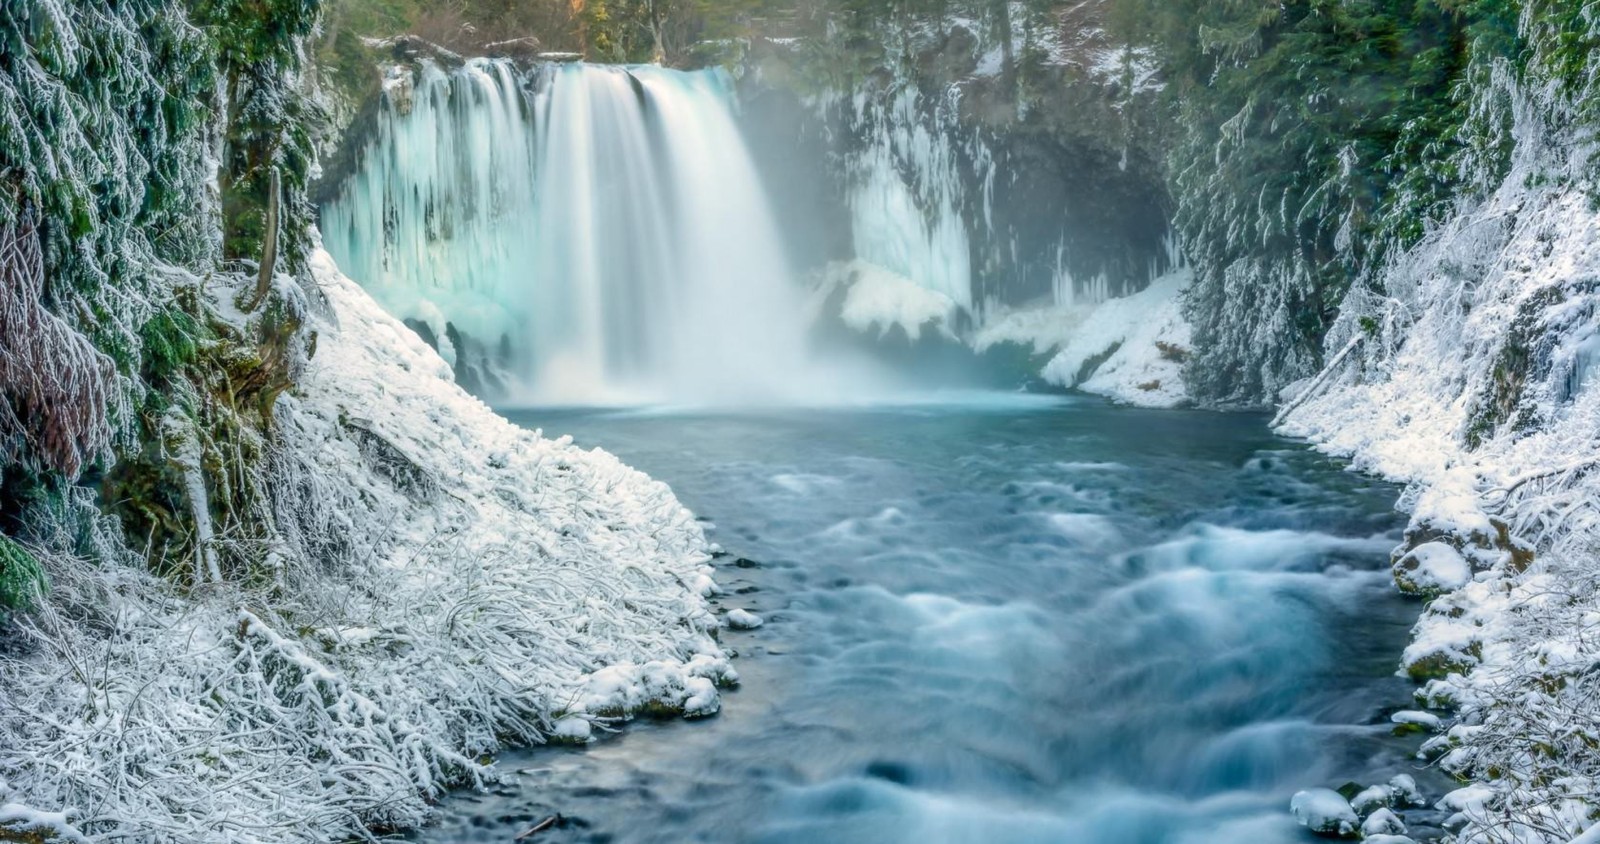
(999, 619)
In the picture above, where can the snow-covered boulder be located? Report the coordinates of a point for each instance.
(1382, 822)
(1406, 792)
(1325, 812)
(1431, 569)
(1413, 721)
(1372, 798)
(744, 620)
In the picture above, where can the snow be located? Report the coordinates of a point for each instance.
(744, 620)
(1432, 568)
(1143, 339)
(19, 820)
(447, 582)
(878, 300)
(1324, 812)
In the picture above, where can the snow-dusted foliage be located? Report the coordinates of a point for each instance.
(56, 388)
(1309, 140)
(101, 173)
(1469, 373)
(448, 583)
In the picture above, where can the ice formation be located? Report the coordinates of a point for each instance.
(906, 197)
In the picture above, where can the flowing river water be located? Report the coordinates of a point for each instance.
(999, 619)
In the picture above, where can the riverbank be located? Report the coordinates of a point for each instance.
(451, 585)
(1481, 397)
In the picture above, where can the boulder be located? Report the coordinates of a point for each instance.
(1382, 822)
(1325, 813)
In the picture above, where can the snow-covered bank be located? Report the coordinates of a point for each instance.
(447, 584)
(1472, 379)
(1132, 349)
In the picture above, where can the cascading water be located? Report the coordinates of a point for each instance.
(603, 227)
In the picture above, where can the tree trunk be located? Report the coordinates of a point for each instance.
(658, 51)
(269, 244)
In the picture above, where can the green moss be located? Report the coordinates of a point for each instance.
(1438, 666)
(172, 341)
(1515, 364)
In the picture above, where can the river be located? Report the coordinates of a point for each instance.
(998, 618)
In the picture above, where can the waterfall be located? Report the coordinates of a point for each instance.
(602, 229)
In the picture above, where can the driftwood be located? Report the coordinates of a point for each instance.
(539, 827)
